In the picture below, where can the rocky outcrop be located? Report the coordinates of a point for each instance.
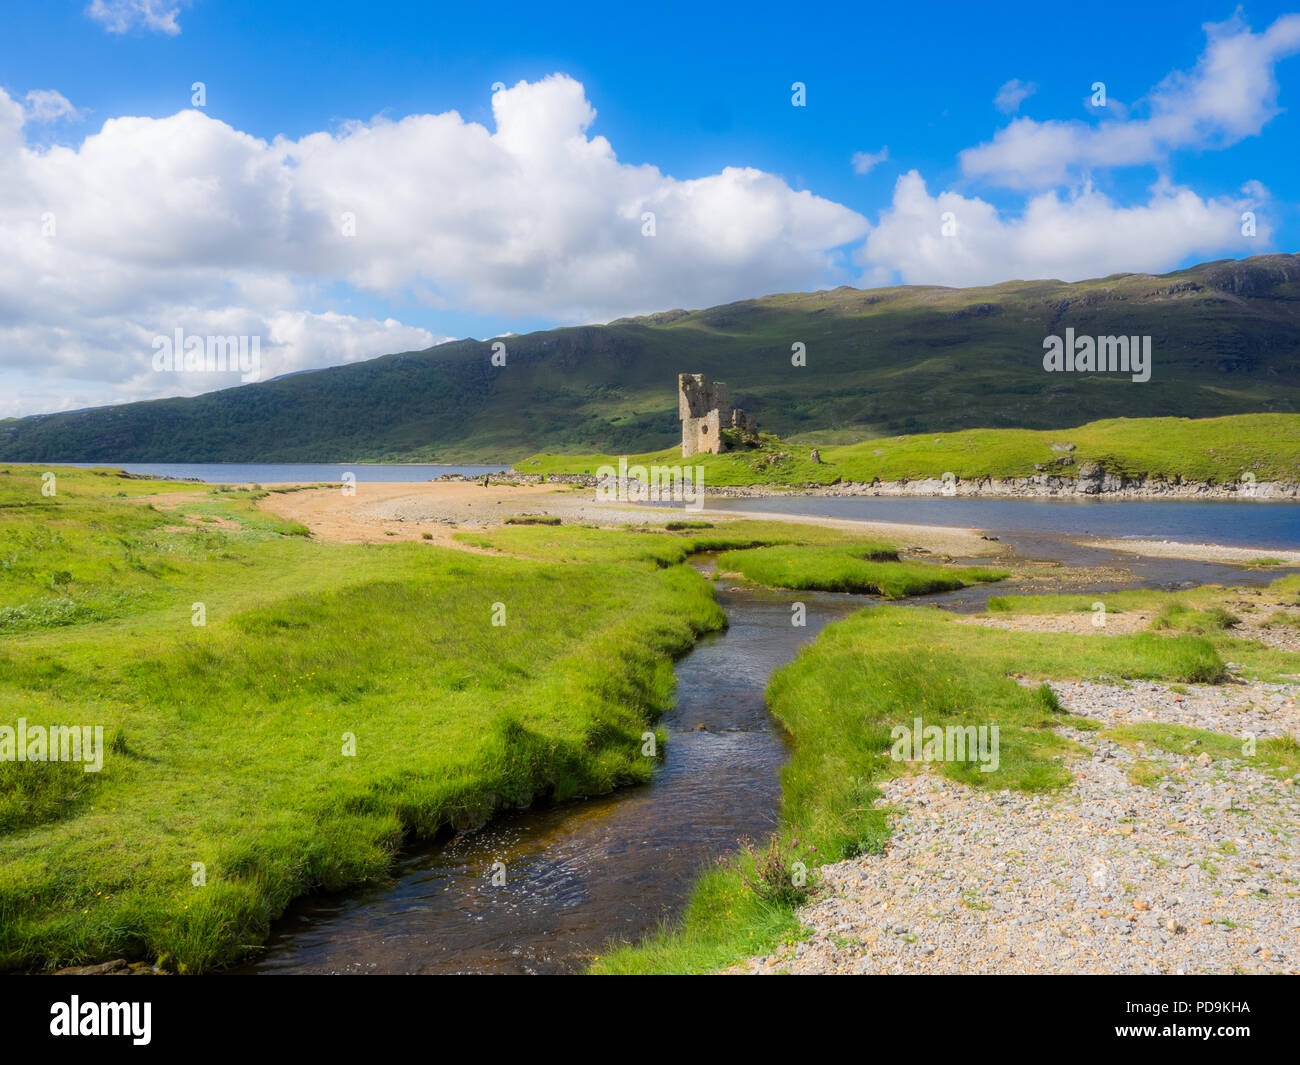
(1091, 481)
(1096, 484)
(511, 477)
(1256, 276)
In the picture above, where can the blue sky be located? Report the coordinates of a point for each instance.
(680, 92)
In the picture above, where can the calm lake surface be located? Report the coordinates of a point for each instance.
(1238, 524)
(285, 472)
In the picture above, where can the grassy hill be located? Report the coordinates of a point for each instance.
(1210, 449)
(909, 359)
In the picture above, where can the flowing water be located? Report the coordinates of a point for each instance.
(580, 874)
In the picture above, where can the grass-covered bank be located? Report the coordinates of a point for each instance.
(1236, 621)
(337, 699)
(1217, 450)
(873, 569)
(667, 545)
(841, 697)
(1285, 591)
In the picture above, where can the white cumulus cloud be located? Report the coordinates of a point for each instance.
(46, 105)
(865, 162)
(1012, 94)
(1069, 238)
(122, 16)
(1230, 95)
(149, 225)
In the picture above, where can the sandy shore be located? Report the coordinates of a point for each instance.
(381, 512)
(1197, 552)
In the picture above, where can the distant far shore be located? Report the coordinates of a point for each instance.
(1107, 486)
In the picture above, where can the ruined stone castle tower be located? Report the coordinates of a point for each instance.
(705, 410)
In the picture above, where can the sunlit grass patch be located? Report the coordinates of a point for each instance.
(1210, 449)
(1279, 756)
(230, 736)
(1204, 611)
(870, 568)
(96, 548)
(658, 545)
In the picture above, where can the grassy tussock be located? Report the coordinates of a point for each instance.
(870, 568)
(641, 543)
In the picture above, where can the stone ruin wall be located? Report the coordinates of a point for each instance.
(705, 410)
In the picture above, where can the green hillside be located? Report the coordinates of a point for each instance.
(910, 359)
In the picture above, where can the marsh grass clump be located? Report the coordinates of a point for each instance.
(1047, 696)
(532, 519)
(1179, 616)
(872, 569)
(117, 742)
(1278, 756)
(1220, 619)
(778, 875)
(1281, 619)
(47, 613)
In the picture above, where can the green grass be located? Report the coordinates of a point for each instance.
(1203, 610)
(98, 549)
(870, 568)
(1220, 450)
(1278, 756)
(840, 699)
(1181, 617)
(1135, 599)
(1174, 610)
(643, 543)
(228, 740)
